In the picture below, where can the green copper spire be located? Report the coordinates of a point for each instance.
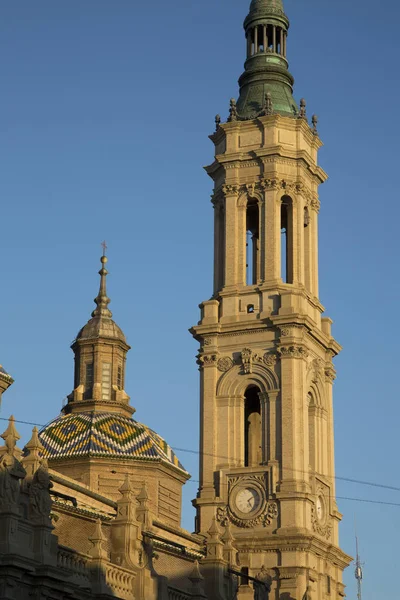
(266, 67)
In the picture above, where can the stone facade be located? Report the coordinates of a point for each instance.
(91, 507)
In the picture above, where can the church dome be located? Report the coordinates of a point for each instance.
(104, 435)
(101, 327)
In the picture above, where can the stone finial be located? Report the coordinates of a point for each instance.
(314, 121)
(98, 538)
(230, 552)
(197, 581)
(11, 470)
(268, 107)
(233, 116)
(11, 437)
(143, 511)
(303, 109)
(126, 488)
(217, 122)
(33, 459)
(214, 545)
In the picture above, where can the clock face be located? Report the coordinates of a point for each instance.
(320, 508)
(248, 500)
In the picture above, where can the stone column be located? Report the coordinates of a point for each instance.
(231, 238)
(281, 41)
(271, 237)
(265, 39)
(248, 37)
(218, 255)
(256, 40)
(315, 254)
(241, 244)
(274, 38)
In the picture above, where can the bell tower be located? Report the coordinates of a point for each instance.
(266, 350)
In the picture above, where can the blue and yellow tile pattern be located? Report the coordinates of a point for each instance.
(104, 435)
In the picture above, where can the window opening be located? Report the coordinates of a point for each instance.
(244, 578)
(286, 240)
(88, 380)
(250, 309)
(120, 384)
(252, 243)
(106, 381)
(252, 433)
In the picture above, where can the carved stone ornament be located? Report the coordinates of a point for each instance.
(207, 341)
(330, 374)
(285, 331)
(11, 471)
(230, 190)
(270, 512)
(323, 529)
(269, 360)
(225, 363)
(293, 351)
(247, 360)
(39, 493)
(206, 360)
(262, 511)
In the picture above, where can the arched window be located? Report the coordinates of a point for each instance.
(252, 428)
(252, 242)
(287, 240)
(311, 432)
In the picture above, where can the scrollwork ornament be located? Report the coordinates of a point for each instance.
(269, 360)
(206, 360)
(330, 374)
(285, 331)
(265, 519)
(225, 363)
(293, 351)
(222, 515)
(230, 190)
(269, 184)
(322, 530)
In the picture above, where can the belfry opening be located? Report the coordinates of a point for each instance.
(252, 427)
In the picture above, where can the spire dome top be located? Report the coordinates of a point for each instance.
(266, 67)
(102, 301)
(101, 323)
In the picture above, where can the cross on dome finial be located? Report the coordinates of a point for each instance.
(102, 301)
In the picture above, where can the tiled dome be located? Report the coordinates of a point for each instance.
(104, 435)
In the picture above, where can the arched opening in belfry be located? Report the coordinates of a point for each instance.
(312, 432)
(252, 428)
(287, 240)
(252, 243)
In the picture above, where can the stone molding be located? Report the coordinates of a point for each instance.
(292, 188)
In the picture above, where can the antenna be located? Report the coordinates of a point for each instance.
(358, 572)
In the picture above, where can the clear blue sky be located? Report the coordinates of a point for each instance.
(106, 106)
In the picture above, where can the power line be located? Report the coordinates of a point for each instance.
(345, 479)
